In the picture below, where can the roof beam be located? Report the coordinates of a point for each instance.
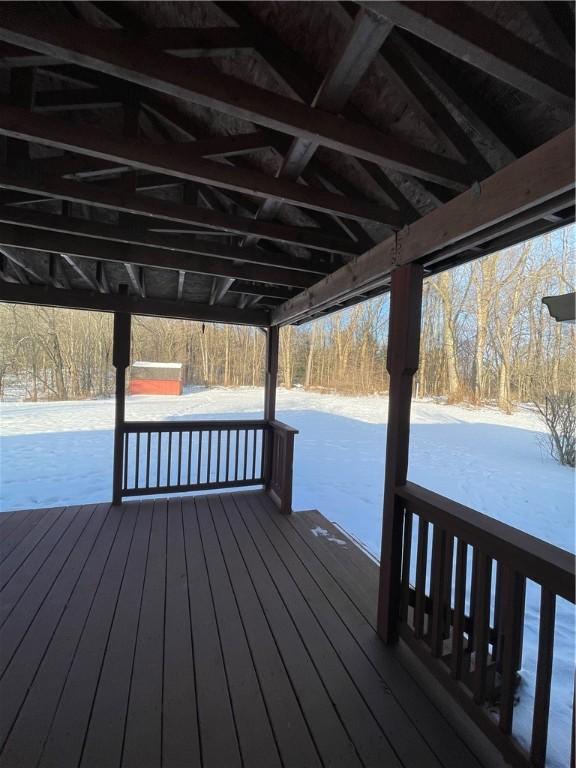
(75, 99)
(181, 280)
(90, 47)
(102, 278)
(398, 59)
(134, 273)
(181, 41)
(463, 105)
(108, 302)
(517, 192)
(362, 44)
(304, 83)
(219, 287)
(125, 233)
(467, 34)
(259, 289)
(19, 264)
(90, 194)
(177, 161)
(162, 113)
(80, 271)
(106, 250)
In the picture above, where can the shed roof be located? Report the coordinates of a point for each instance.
(233, 161)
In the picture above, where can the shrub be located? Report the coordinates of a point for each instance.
(558, 412)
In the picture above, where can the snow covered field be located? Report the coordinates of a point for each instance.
(61, 453)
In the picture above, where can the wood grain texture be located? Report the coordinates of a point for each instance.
(207, 631)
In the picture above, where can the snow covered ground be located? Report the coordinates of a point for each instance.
(61, 453)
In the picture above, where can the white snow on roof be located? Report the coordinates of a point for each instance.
(156, 365)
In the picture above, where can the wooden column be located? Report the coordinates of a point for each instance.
(120, 360)
(270, 382)
(402, 363)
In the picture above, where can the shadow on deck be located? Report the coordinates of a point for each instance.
(207, 631)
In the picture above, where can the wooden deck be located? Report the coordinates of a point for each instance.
(208, 631)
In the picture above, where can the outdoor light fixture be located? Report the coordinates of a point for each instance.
(562, 308)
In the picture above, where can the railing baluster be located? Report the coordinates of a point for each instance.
(244, 471)
(137, 469)
(406, 555)
(459, 609)
(158, 459)
(169, 469)
(179, 457)
(199, 467)
(420, 601)
(218, 456)
(236, 455)
(543, 678)
(227, 455)
(190, 433)
(437, 590)
(473, 587)
(148, 446)
(447, 596)
(209, 456)
(512, 615)
(126, 438)
(254, 434)
(499, 606)
(481, 626)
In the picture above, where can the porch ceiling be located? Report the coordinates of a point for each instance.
(265, 162)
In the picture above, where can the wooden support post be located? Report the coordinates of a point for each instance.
(270, 382)
(402, 363)
(121, 360)
(272, 343)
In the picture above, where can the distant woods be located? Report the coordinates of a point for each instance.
(486, 337)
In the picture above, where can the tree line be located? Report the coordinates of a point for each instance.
(486, 337)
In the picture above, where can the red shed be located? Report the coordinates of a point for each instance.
(156, 378)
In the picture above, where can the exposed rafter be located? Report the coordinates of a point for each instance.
(362, 44)
(108, 302)
(82, 44)
(176, 160)
(189, 215)
(42, 240)
(127, 233)
(469, 35)
(350, 64)
(523, 191)
(186, 43)
(80, 270)
(207, 164)
(464, 106)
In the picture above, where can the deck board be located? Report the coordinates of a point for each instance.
(201, 632)
(218, 737)
(295, 743)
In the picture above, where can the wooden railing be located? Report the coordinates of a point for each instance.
(461, 609)
(279, 462)
(181, 456)
(169, 457)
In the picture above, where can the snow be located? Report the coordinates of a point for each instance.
(142, 364)
(61, 453)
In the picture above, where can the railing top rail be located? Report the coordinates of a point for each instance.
(550, 566)
(280, 425)
(132, 427)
